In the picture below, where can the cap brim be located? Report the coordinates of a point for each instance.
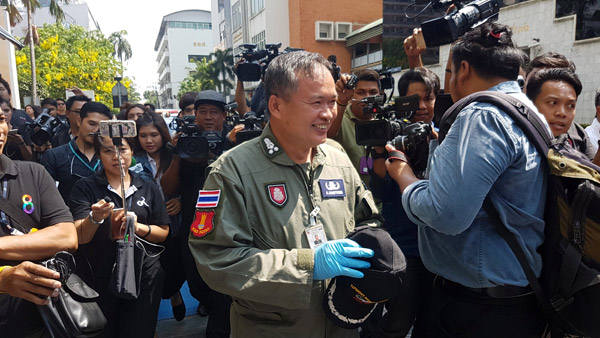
(342, 309)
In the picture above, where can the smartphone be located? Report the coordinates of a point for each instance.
(13, 132)
(420, 39)
(118, 128)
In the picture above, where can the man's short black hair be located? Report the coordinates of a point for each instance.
(367, 75)
(551, 60)
(490, 51)
(72, 99)
(537, 80)
(187, 99)
(6, 85)
(49, 101)
(95, 107)
(597, 99)
(422, 75)
(61, 100)
(150, 106)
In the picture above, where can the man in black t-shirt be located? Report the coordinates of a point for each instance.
(24, 284)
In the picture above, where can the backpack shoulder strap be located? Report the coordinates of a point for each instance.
(524, 117)
(25, 223)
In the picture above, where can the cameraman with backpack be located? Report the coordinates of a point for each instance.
(480, 289)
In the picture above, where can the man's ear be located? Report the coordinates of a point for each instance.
(464, 73)
(598, 113)
(78, 121)
(275, 103)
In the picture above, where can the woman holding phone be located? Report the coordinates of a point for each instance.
(93, 202)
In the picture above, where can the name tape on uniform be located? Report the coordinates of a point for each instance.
(332, 188)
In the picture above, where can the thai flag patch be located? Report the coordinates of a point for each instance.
(208, 199)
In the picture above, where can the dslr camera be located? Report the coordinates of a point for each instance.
(252, 126)
(43, 128)
(450, 27)
(392, 126)
(193, 142)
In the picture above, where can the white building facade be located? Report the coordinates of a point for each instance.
(184, 37)
(75, 14)
(537, 30)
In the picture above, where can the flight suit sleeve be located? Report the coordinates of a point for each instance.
(233, 259)
(365, 210)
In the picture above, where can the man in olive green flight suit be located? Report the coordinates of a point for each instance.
(270, 223)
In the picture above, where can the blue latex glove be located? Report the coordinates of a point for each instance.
(336, 258)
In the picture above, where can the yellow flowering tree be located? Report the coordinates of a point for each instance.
(70, 57)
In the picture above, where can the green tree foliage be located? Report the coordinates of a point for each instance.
(199, 79)
(151, 97)
(68, 57)
(215, 74)
(393, 53)
(122, 46)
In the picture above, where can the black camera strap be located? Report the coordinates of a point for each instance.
(9, 208)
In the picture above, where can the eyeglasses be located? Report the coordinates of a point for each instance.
(61, 104)
(75, 111)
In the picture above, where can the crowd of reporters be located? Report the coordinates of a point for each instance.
(165, 173)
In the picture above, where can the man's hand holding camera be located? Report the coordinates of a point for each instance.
(399, 169)
(344, 93)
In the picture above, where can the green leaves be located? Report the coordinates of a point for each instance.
(68, 57)
(215, 74)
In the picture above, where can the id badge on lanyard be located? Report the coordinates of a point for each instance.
(315, 233)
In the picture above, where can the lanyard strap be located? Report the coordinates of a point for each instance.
(84, 162)
(5, 196)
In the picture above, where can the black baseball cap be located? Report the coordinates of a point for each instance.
(210, 97)
(349, 301)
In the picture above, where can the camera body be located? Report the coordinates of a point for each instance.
(392, 126)
(256, 61)
(193, 142)
(450, 27)
(43, 128)
(252, 126)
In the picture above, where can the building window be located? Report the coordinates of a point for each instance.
(259, 40)
(256, 6)
(342, 30)
(588, 17)
(236, 16)
(323, 30)
(221, 5)
(222, 31)
(190, 25)
(197, 58)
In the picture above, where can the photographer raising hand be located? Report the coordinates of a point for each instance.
(480, 289)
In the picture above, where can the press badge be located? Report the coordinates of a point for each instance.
(366, 163)
(315, 234)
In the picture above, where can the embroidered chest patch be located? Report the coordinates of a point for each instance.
(277, 194)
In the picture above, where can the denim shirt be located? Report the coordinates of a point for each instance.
(484, 153)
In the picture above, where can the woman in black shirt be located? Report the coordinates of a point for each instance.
(92, 201)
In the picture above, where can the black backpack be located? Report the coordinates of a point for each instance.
(569, 288)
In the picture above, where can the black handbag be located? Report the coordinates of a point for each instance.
(74, 312)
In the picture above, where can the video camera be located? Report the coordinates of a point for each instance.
(450, 27)
(252, 126)
(43, 128)
(256, 61)
(194, 143)
(392, 126)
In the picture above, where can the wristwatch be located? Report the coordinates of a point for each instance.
(92, 219)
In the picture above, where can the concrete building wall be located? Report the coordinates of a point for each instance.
(304, 13)
(176, 43)
(535, 19)
(75, 14)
